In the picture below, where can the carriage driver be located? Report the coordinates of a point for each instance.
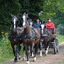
(50, 25)
(37, 24)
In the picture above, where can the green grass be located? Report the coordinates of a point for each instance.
(60, 38)
(62, 62)
(6, 52)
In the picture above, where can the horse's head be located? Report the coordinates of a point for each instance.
(30, 22)
(14, 22)
(25, 19)
(42, 26)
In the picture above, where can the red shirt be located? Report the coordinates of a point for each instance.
(50, 25)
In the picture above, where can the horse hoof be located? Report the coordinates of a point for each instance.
(32, 56)
(34, 59)
(19, 57)
(23, 58)
(29, 52)
(15, 60)
(41, 53)
(27, 62)
(46, 53)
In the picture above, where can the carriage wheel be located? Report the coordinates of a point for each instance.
(56, 48)
(57, 45)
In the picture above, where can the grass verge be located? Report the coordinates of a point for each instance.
(62, 62)
(60, 38)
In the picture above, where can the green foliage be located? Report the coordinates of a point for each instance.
(61, 29)
(33, 7)
(51, 8)
(8, 7)
(59, 19)
(5, 48)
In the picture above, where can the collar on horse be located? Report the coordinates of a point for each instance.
(15, 37)
(28, 36)
(23, 36)
(45, 34)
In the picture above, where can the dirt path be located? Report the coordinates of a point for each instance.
(51, 58)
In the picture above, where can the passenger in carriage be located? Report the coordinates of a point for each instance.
(37, 24)
(50, 25)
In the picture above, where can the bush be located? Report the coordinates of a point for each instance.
(5, 48)
(61, 29)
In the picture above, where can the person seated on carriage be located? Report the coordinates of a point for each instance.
(37, 24)
(50, 26)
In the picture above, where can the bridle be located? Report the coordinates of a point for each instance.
(14, 22)
(42, 28)
(24, 17)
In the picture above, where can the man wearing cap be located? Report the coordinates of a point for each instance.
(50, 25)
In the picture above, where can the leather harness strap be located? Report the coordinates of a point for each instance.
(23, 36)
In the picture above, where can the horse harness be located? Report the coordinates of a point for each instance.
(23, 36)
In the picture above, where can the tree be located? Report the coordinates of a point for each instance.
(52, 8)
(33, 7)
(8, 7)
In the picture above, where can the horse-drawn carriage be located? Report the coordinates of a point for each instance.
(53, 45)
(53, 41)
(32, 37)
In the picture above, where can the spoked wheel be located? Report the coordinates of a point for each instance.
(56, 48)
(57, 45)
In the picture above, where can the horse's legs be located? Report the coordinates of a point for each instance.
(24, 53)
(16, 53)
(32, 50)
(19, 52)
(27, 54)
(36, 48)
(46, 48)
(13, 50)
(40, 44)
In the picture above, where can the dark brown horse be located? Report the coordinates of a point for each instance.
(13, 37)
(31, 38)
(45, 37)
